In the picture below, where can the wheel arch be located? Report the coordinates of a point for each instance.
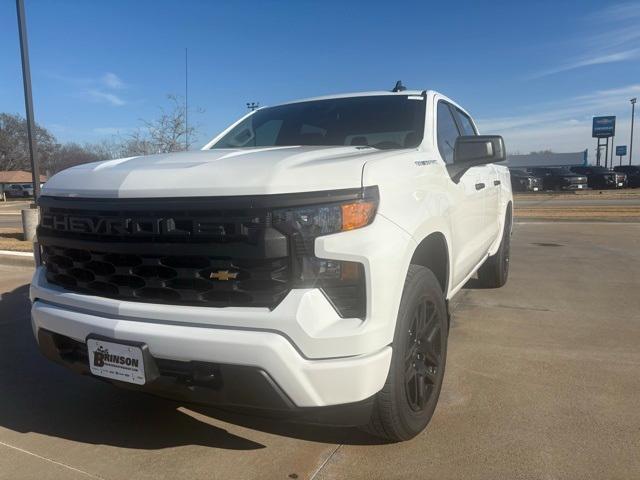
(433, 253)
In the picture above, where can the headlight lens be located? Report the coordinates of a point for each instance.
(316, 220)
(342, 282)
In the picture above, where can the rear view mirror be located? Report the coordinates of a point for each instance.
(479, 149)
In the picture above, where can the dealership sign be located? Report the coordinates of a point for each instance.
(621, 150)
(604, 127)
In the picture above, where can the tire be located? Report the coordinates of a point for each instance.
(494, 272)
(406, 403)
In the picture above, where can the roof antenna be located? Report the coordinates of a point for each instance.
(399, 87)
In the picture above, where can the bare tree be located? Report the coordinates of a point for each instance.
(107, 149)
(167, 133)
(14, 150)
(71, 154)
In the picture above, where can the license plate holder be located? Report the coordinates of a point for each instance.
(124, 361)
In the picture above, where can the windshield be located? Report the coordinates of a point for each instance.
(384, 122)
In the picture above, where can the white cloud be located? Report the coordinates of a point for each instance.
(105, 97)
(566, 125)
(619, 12)
(616, 38)
(108, 130)
(111, 80)
(96, 89)
(587, 61)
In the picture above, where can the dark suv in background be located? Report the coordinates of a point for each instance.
(632, 172)
(601, 177)
(523, 181)
(559, 178)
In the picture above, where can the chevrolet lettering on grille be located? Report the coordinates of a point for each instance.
(125, 226)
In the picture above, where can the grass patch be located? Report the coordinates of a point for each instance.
(11, 239)
(592, 213)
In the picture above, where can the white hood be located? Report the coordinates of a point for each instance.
(216, 173)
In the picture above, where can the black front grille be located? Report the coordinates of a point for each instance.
(535, 182)
(202, 252)
(174, 279)
(205, 251)
(575, 180)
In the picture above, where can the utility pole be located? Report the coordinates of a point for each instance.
(186, 99)
(28, 100)
(253, 105)
(633, 111)
(613, 138)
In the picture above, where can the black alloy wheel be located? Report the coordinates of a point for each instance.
(408, 400)
(423, 356)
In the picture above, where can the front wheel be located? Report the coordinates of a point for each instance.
(405, 405)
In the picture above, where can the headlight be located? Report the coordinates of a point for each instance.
(342, 282)
(314, 221)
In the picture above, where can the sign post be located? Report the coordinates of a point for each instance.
(604, 127)
(621, 151)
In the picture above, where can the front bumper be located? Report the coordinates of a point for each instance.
(575, 186)
(315, 357)
(304, 382)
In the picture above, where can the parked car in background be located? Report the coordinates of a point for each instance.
(632, 172)
(601, 177)
(559, 178)
(19, 190)
(523, 181)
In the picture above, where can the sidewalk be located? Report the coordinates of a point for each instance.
(13, 258)
(13, 207)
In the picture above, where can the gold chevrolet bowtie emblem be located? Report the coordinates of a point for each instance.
(223, 275)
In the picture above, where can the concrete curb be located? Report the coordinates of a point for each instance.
(16, 259)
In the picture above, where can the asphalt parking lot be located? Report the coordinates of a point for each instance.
(542, 381)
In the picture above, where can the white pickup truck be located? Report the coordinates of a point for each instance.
(301, 263)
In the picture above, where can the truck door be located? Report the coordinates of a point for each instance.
(467, 214)
(488, 175)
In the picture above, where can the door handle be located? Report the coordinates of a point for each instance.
(496, 182)
(480, 186)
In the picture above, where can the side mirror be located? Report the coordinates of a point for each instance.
(479, 149)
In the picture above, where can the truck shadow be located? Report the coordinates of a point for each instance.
(39, 396)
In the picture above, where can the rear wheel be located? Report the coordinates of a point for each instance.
(494, 272)
(408, 399)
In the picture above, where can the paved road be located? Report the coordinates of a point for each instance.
(10, 213)
(542, 382)
(570, 202)
(11, 221)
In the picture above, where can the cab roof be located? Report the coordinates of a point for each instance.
(362, 94)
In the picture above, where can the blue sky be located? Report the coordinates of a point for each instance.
(535, 72)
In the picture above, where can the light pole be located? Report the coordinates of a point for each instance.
(633, 112)
(28, 100)
(29, 215)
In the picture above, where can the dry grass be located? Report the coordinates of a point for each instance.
(588, 212)
(11, 239)
(613, 213)
(622, 194)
